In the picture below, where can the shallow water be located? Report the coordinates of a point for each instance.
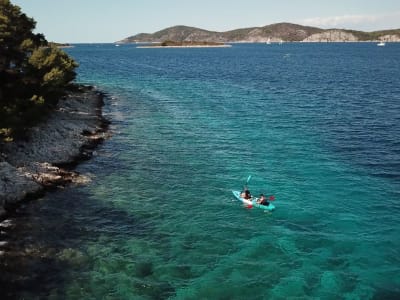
(316, 125)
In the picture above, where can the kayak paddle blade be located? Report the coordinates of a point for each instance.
(248, 179)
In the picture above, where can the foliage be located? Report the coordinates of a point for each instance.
(33, 74)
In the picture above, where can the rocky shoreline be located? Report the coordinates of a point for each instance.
(42, 161)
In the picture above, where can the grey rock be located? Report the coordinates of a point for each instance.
(69, 135)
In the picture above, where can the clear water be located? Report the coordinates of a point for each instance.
(316, 125)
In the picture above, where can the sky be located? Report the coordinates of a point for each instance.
(97, 21)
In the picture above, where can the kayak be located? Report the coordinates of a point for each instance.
(253, 202)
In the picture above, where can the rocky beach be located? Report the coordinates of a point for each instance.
(43, 160)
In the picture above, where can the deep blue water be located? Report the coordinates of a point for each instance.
(316, 125)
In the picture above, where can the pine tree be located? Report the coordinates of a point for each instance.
(33, 75)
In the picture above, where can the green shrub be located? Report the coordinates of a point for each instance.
(33, 75)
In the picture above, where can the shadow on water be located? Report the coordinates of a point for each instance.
(384, 294)
(43, 240)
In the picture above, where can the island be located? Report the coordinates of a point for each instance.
(274, 33)
(185, 44)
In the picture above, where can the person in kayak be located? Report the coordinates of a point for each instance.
(262, 200)
(245, 194)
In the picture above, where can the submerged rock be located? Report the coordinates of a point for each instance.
(73, 257)
(15, 185)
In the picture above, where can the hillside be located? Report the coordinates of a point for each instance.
(275, 32)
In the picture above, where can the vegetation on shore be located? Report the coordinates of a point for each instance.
(34, 74)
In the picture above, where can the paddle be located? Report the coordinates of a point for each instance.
(247, 182)
(248, 179)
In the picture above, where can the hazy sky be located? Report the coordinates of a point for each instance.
(109, 21)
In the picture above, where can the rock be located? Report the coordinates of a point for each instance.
(331, 36)
(291, 287)
(15, 185)
(73, 256)
(69, 135)
(390, 38)
(330, 282)
(2, 212)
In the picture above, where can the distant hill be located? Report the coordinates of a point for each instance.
(285, 32)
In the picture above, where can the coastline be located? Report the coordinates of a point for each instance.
(43, 161)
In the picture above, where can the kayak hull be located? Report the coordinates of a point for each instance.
(253, 202)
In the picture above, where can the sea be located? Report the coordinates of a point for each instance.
(316, 125)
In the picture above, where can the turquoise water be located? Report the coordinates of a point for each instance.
(316, 125)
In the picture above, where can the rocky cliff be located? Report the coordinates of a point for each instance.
(332, 36)
(276, 32)
(390, 38)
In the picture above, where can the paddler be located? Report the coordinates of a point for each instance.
(245, 194)
(262, 200)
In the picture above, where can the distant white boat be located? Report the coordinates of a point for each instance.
(268, 42)
(381, 44)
